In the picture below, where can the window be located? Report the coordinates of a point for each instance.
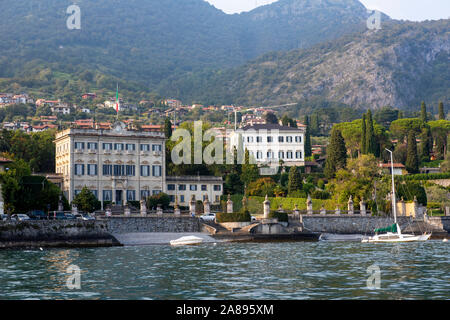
(171, 187)
(107, 195)
(258, 155)
(118, 146)
(145, 194)
(193, 187)
(77, 192)
(172, 198)
(182, 187)
(156, 192)
(92, 146)
(270, 154)
(119, 170)
(156, 171)
(79, 145)
(107, 169)
(298, 139)
(156, 147)
(130, 170)
(217, 187)
(204, 197)
(181, 198)
(145, 147)
(79, 169)
(145, 171)
(280, 139)
(95, 193)
(250, 139)
(130, 147)
(204, 187)
(217, 198)
(288, 139)
(289, 155)
(281, 155)
(269, 139)
(107, 146)
(298, 154)
(258, 139)
(131, 195)
(92, 169)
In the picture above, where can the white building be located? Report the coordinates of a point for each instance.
(270, 143)
(184, 187)
(61, 108)
(118, 165)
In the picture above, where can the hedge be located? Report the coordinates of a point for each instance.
(281, 216)
(423, 176)
(242, 216)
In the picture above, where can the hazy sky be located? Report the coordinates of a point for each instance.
(415, 10)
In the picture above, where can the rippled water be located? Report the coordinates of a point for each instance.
(297, 270)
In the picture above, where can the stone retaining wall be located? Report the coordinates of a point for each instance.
(54, 233)
(120, 225)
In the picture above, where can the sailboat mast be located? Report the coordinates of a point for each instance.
(394, 202)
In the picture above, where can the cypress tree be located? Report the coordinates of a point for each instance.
(336, 154)
(423, 112)
(412, 160)
(400, 115)
(250, 171)
(441, 111)
(427, 144)
(295, 180)
(363, 135)
(315, 124)
(168, 128)
(308, 148)
(371, 144)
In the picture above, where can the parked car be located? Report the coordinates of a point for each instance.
(84, 216)
(208, 217)
(20, 217)
(37, 215)
(3, 217)
(70, 216)
(57, 215)
(254, 218)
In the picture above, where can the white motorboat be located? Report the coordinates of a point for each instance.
(340, 237)
(186, 241)
(394, 233)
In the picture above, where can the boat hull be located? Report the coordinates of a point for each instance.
(391, 238)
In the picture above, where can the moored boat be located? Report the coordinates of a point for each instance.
(186, 241)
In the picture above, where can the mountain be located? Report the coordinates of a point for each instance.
(146, 41)
(400, 65)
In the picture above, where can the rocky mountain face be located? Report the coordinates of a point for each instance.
(399, 65)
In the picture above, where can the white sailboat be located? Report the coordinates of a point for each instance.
(394, 233)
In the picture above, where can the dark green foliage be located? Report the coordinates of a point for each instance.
(158, 199)
(336, 154)
(86, 201)
(281, 216)
(364, 136)
(423, 112)
(295, 180)
(167, 128)
(242, 216)
(371, 143)
(412, 160)
(308, 147)
(427, 144)
(271, 118)
(386, 115)
(441, 112)
(423, 177)
(315, 126)
(250, 172)
(409, 190)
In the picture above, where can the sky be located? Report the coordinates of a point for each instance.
(414, 10)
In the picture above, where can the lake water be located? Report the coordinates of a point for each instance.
(285, 270)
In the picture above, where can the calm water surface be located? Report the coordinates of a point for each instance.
(297, 270)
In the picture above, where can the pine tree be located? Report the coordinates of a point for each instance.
(336, 154)
(295, 179)
(412, 160)
(441, 111)
(371, 143)
(423, 112)
(270, 117)
(363, 136)
(308, 148)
